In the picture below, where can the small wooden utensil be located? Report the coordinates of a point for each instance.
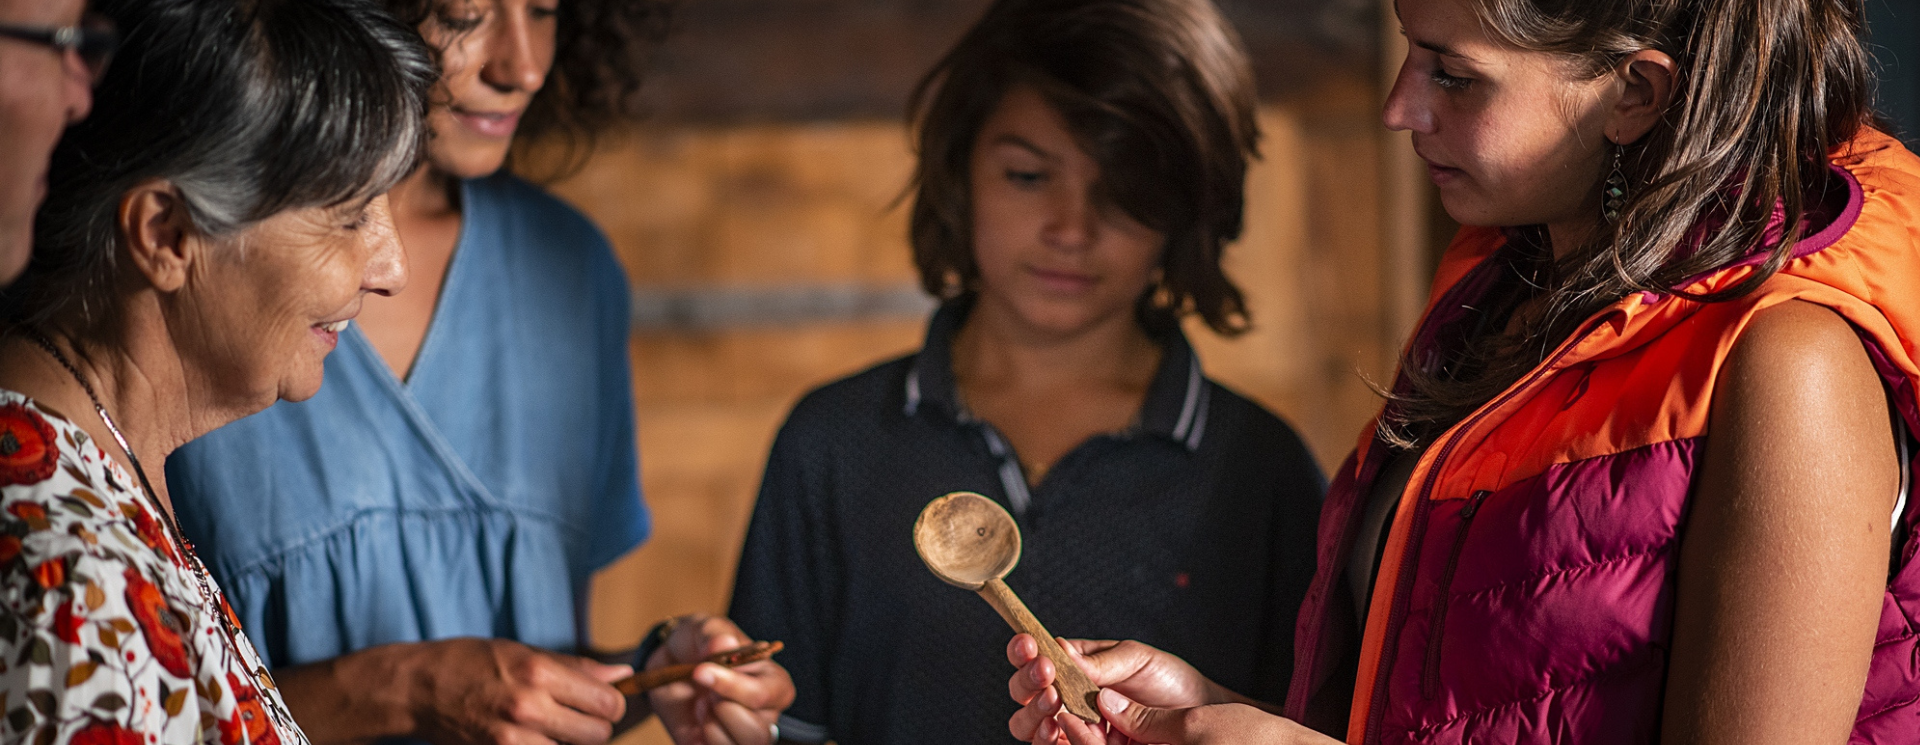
(971, 543)
(642, 682)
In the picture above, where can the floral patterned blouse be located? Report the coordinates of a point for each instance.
(104, 636)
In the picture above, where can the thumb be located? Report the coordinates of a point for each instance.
(610, 674)
(1138, 722)
(722, 642)
(600, 671)
(1102, 662)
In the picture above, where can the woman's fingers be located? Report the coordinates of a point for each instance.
(1088, 647)
(1143, 723)
(700, 635)
(762, 685)
(563, 724)
(1109, 662)
(719, 705)
(740, 724)
(580, 685)
(501, 691)
(1203, 725)
(557, 702)
(1104, 661)
(1050, 733)
(1022, 649)
(600, 671)
(678, 705)
(1138, 668)
(1030, 680)
(1081, 733)
(1028, 723)
(728, 723)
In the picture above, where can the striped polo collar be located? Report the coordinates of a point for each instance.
(1175, 407)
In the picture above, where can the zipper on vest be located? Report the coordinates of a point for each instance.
(1397, 618)
(1430, 681)
(1307, 665)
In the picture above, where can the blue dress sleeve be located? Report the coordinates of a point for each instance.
(626, 522)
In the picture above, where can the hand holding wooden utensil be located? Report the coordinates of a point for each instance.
(646, 681)
(971, 543)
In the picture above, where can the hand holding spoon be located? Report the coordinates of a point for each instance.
(971, 543)
(641, 682)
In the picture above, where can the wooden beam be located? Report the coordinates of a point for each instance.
(735, 61)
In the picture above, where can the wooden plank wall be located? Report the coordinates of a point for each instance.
(741, 183)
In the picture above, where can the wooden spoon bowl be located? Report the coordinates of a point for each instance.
(967, 539)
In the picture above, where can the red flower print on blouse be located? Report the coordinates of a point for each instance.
(34, 515)
(51, 573)
(249, 717)
(151, 534)
(27, 454)
(9, 549)
(232, 618)
(162, 626)
(104, 733)
(66, 623)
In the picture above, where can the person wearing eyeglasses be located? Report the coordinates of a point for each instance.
(48, 62)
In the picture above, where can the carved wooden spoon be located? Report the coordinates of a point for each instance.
(641, 682)
(971, 543)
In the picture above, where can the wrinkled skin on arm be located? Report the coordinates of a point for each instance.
(456, 691)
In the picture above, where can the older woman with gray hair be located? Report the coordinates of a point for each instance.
(205, 236)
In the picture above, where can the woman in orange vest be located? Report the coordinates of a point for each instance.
(1642, 475)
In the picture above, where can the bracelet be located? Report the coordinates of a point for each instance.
(655, 637)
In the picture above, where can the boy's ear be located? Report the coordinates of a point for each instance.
(1648, 79)
(156, 226)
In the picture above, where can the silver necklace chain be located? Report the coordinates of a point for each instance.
(212, 601)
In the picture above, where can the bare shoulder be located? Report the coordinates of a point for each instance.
(1798, 410)
(1800, 354)
(1787, 532)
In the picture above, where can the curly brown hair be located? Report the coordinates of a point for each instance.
(601, 53)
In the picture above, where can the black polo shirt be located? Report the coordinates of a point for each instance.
(1192, 531)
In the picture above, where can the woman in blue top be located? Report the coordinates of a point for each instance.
(427, 525)
(1081, 170)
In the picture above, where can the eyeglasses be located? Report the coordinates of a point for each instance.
(94, 41)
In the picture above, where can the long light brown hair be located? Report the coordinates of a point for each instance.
(1764, 90)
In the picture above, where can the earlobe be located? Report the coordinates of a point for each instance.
(1649, 79)
(155, 229)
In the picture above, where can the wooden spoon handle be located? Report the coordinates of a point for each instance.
(1076, 691)
(641, 682)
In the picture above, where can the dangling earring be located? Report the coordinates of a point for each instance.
(1158, 295)
(1614, 197)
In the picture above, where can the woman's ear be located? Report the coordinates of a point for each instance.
(155, 227)
(1648, 79)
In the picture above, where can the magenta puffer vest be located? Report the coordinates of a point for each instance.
(1527, 590)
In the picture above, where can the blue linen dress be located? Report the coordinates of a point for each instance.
(475, 498)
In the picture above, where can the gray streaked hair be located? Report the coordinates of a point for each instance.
(248, 107)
